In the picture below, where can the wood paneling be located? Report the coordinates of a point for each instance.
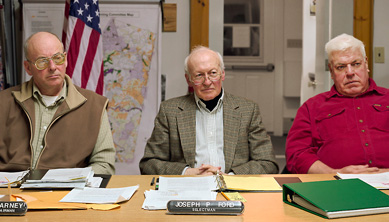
(199, 23)
(169, 17)
(363, 27)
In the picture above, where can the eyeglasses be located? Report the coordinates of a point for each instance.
(43, 63)
(200, 78)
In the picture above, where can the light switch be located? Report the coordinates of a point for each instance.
(379, 54)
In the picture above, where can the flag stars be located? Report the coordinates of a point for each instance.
(80, 11)
(86, 6)
(97, 13)
(75, 1)
(95, 2)
(89, 18)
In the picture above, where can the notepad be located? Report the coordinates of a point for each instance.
(251, 183)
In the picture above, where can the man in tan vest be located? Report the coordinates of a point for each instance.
(48, 122)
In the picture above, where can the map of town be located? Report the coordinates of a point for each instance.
(128, 52)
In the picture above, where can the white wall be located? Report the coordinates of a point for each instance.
(175, 47)
(381, 33)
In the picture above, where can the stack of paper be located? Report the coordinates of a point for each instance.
(62, 178)
(14, 178)
(100, 195)
(377, 180)
(180, 188)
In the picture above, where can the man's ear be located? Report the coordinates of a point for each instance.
(331, 70)
(223, 75)
(367, 64)
(188, 80)
(27, 67)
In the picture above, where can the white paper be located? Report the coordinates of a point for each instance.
(157, 200)
(377, 180)
(68, 174)
(95, 182)
(12, 177)
(62, 178)
(100, 195)
(180, 188)
(241, 37)
(47, 185)
(206, 183)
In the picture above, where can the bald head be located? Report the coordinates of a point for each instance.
(40, 40)
(202, 50)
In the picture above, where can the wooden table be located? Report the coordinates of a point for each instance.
(259, 207)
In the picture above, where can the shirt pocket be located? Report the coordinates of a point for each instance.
(332, 123)
(380, 116)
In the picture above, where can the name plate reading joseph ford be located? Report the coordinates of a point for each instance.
(16, 208)
(205, 207)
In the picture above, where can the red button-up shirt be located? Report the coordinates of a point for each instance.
(341, 131)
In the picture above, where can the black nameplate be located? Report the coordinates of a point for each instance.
(13, 208)
(205, 207)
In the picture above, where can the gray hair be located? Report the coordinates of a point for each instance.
(198, 48)
(27, 42)
(342, 43)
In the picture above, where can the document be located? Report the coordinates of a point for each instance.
(15, 178)
(100, 195)
(377, 180)
(206, 183)
(157, 199)
(62, 178)
(180, 188)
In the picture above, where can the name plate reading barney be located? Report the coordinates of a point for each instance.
(205, 207)
(16, 208)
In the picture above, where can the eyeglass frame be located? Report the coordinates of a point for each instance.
(51, 58)
(204, 77)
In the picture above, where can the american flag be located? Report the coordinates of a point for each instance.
(83, 43)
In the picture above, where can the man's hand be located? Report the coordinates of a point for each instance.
(320, 167)
(204, 169)
(359, 169)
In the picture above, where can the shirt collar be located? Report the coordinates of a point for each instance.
(202, 106)
(372, 87)
(61, 96)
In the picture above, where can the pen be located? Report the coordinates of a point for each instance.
(152, 181)
(157, 184)
(225, 196)
(78, 178)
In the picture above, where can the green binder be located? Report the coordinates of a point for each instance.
(336, 198)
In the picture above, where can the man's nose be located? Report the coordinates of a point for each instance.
(52, 65)
(207, 81)
(349, 69)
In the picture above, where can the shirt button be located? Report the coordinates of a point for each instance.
(361, 121)
(358, 107)
(366, 144)
(41, 146)
(329, 114)
(363, 131)
(370, 161)
(44, 127)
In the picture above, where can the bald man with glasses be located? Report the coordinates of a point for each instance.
(48, 122)
(209, 131)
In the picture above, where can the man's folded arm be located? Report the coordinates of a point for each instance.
(300, 151)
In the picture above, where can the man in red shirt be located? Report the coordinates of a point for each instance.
(347, 128)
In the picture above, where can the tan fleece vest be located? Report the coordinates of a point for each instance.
(69, 140)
